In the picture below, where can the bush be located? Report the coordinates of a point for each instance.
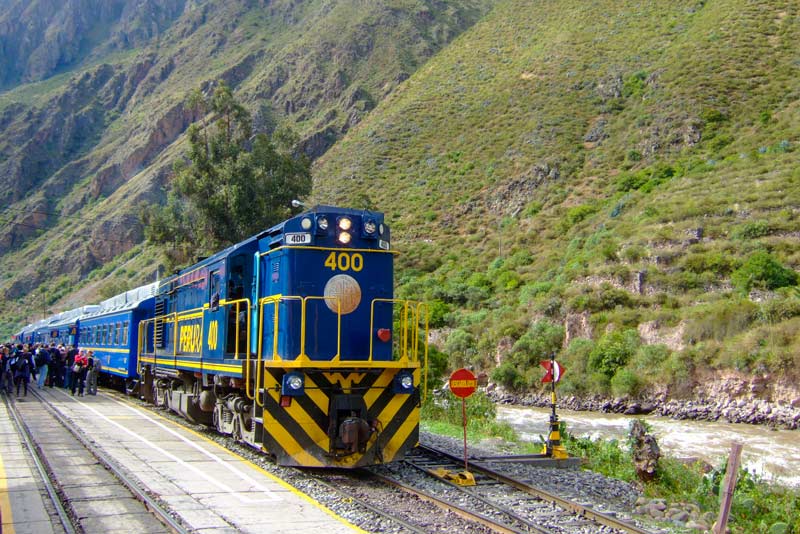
(437, 313)
(539, 342)
(714, 262)
(507, 375)
(577, 214)
(460, 347)
(613, 351)
(531, 291)
(625, 382)
(762, 271)
(752, 230)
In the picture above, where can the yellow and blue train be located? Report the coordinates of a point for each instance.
(291, 341)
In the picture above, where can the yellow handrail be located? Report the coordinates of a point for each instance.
(420, 307)
(403, 327)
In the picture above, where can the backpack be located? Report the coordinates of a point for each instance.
(23, 365)
(40, 359)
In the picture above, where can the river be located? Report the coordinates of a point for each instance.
(772, 454)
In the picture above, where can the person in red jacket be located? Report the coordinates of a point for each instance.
(78, 375)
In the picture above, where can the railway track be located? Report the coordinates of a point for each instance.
(405, 497)
(499, 501)
(69, 466)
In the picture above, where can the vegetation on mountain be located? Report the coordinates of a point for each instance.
(236, 183)
(622, 189)
(628, 179)
(93, 136)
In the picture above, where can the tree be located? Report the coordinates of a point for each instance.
(233, 185)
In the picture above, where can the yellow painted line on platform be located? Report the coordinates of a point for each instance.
(6, 517)
(258, 468)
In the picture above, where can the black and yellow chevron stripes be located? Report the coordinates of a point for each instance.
(298, 434)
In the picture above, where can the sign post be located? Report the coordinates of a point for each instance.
(463, 384)
(553, 448)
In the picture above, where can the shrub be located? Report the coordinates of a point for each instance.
(577, 214)
(715, 262)
(613, 351)
(531, 291)
(507, 375)
(542, 339)
(459, 346)
(762, 271)
(437, 313)
(625, 382)
(752, 230)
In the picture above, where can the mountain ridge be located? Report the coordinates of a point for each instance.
(563, 172)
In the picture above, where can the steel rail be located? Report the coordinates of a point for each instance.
(578, 509)
(361, 502)
(455, 508)
(474, 494)
(38, 461)
(150, 503)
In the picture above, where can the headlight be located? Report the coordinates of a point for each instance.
(295, 382)
(370, 227)
(322, 223)
(345, 223)
(306, 223)
(344, 238)
(403, 383)
(382, 229)
(292, 384)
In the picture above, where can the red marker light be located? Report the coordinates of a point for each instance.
(384, 334)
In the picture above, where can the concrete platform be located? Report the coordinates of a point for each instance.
(24, 505)
(208, 487)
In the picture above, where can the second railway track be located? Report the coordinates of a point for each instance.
(89, 492)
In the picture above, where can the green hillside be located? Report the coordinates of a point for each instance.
(86, 139)
(603, 172)
(615, 181)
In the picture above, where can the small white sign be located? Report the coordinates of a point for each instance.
(297, 239)
(383, 244)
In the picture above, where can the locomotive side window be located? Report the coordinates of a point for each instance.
(214, 290)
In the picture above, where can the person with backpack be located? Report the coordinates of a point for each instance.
(8, 369)
(6, 377)
(23, 367)
(78, 374)
(42, 361)
(95, 366)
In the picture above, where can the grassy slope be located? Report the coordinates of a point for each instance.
(300, 48)
(462, 159)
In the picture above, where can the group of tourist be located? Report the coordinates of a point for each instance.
(51, 366)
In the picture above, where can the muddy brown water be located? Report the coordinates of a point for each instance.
(771, 454)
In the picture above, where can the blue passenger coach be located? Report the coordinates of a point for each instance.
(110, 330)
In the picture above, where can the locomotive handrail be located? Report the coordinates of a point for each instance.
(404, 326)
(420, 307)
(237, 302)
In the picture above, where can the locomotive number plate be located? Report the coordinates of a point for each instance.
(298, 239)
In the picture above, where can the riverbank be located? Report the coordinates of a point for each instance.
(730, 398)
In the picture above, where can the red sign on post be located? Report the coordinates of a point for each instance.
(554, 371)
(463, 383)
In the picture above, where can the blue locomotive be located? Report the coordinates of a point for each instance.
(291, 341)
